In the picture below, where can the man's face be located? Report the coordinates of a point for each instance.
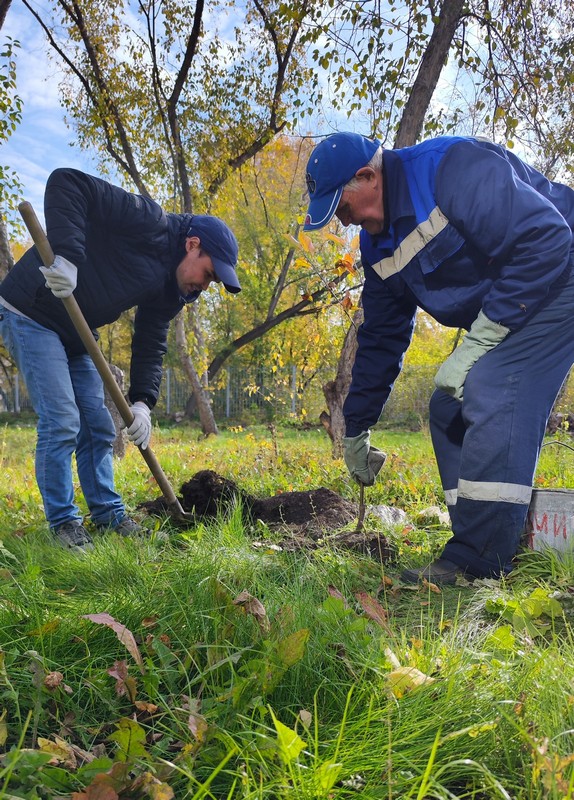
(195, 271)
(363, 205)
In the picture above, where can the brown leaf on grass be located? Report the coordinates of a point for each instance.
(432, 586)
(125, 684)
(374, 610)
(386, 583)
(334, 592)
(55, 680)
(96, 792)
(106, 785)
(251, 605)
(125, 636)
(149, 708)
(198, 726)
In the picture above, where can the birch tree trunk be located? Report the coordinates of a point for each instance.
(336, 391)
(206, 418)
(6, 260)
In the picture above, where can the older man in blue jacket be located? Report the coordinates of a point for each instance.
(115, 250)
(467, 231)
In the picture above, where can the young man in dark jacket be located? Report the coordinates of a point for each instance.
(467, 231)
(114, 250)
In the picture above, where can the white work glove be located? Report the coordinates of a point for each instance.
(363, 461)
(61, 277)
(482, 337)
(139, 432)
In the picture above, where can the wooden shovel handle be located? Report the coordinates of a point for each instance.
(47, 255)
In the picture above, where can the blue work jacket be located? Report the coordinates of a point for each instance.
(468, 226)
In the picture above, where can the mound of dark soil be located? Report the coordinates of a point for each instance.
(304, 518)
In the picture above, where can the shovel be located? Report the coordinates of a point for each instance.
(361, 517)
(370, 542)
(40, 239)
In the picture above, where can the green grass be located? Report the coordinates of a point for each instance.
(256, 673)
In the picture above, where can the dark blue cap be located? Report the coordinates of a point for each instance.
(220, 244)
(333, 163)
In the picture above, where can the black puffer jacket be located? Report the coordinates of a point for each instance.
(126, 249)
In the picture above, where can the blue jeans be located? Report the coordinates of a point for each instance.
(68, 396)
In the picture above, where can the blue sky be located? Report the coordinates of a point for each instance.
(42, 141)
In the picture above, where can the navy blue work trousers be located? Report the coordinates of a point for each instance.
(487, 447)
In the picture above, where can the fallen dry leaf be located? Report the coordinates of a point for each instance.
(55, 680)
(149, 708)
(374, 610)
(125, 684)
(125, 636)
(255, 607)
(198, 726)
(432, 586)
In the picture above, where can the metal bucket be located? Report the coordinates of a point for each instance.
(550, 521)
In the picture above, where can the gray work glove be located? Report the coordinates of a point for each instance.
(482, 337)
(363, 461)
(139, 432)
(61, 277)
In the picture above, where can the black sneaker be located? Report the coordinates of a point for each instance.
(440, 571)
(73, 536)
(128, 527)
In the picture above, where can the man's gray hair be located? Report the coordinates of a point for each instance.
(376, 164)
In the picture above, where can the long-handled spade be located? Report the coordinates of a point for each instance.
(40, 239)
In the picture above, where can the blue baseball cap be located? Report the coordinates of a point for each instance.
(333, 163)
(220, 244)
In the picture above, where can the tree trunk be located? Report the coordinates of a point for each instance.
(432, 62)
(336, 391)
(6, 260)
(206, 418)
(119, 447)
(410, 127)
(4, 6)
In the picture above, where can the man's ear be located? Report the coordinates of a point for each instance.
(191, 243)
(366, 173)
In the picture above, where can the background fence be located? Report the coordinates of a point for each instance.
(262, 395)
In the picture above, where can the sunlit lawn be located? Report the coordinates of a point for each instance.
(192, 664)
